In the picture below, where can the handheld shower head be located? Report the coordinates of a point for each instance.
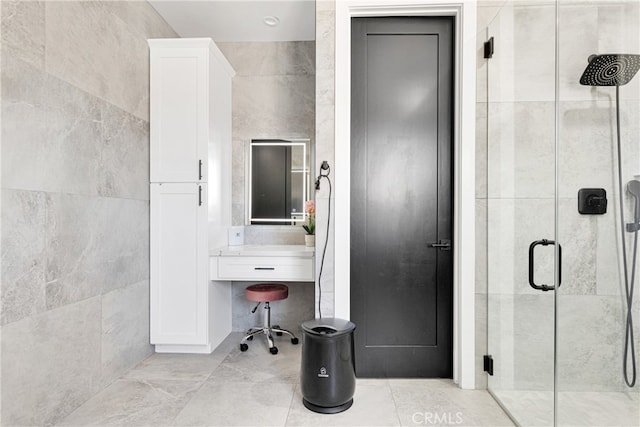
(633, 187)
(610, 70)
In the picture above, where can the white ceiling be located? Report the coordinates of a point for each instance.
(239, 20)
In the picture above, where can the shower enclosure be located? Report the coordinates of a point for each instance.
(561, 201)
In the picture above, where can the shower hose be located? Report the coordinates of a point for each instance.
(629, 346)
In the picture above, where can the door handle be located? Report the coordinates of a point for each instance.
(199, 195)
(200, 170)
(442, 244)
(532, 246)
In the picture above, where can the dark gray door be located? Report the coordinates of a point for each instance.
(401, 196)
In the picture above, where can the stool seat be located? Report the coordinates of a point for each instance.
(265, 292)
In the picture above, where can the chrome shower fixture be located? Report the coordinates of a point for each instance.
(614, 69)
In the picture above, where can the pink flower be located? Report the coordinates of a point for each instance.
(310, 206)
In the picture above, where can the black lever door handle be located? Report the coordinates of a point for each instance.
(200, 170)
(532, 283)
(442, 244)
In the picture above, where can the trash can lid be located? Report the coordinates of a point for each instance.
(330, 326)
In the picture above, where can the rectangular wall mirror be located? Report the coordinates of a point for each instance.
(278, 181)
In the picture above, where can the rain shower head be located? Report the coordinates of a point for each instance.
(610, 70)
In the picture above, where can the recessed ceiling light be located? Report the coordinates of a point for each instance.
(271, 21)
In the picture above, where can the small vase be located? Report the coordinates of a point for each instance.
(310, 240)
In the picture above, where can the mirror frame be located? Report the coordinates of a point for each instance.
(307, 191)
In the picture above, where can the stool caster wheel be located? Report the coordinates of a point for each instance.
(244, 347)
(274, 350)
(250, 338)
(294, 341)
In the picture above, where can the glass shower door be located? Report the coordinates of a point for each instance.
(520, 203)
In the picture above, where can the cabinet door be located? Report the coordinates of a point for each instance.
(179, 274)
(179, 112)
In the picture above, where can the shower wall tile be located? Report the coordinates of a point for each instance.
(578, 35)
(50, 363)
(501, 80)
(587, 153)
(125, 330)
(89, 54)
(534, 51)
(578, 235)
(590, 333)
(609, 253)
(521, 152)
(533, 355)
(23, 260)
(23, 31)
(512, 226)
(618, 25)
(523, 66)
(500, 340)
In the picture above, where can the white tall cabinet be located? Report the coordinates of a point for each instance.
(190, 190)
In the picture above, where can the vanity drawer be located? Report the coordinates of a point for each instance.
(292, 269)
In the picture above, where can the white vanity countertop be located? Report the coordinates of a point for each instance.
(265, 250)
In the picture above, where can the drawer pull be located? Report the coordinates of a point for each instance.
(264, 268)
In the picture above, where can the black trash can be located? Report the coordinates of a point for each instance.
(328, 375)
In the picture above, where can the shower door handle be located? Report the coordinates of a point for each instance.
(532, 246)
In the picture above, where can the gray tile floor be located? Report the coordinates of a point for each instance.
(255, 388)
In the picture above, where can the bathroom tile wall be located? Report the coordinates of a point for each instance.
(521, 156)
(273, 97)
(75, 202)
(591, 310)
(325, 148)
